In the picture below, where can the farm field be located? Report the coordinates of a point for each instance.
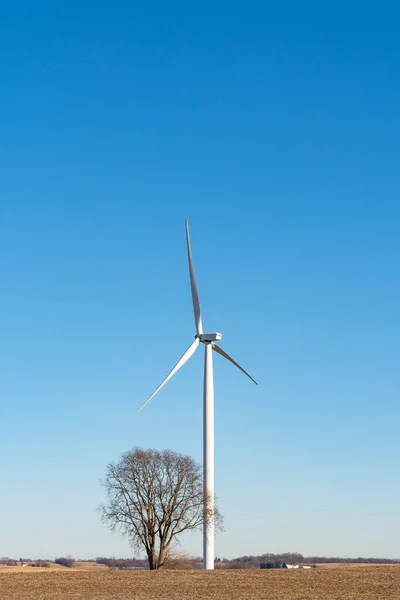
(346, 583)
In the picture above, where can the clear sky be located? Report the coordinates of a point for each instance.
(276, 131)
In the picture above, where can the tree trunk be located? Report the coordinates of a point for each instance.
(161, 556)
(151, 559)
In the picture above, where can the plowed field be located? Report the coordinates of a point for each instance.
(344, 583)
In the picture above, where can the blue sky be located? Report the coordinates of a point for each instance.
(276, 131)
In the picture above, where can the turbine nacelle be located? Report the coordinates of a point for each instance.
(208, 338)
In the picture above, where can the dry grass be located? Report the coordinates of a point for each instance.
(346, 583)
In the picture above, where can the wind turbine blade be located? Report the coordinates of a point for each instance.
(195, 295)
(225, 355)
(184, 358)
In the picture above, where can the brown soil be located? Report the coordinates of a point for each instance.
(346, 583)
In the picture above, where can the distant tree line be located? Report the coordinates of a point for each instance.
(65, 561)
(294, 558)
(183, 561)
(9, 562)
(12, 562)
(337, 559)
(273, 565)
(39, 563)
(122, 563)
(254, 562)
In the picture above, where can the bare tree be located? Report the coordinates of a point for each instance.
(153, 497)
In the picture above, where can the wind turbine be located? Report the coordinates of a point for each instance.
(208, 339)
